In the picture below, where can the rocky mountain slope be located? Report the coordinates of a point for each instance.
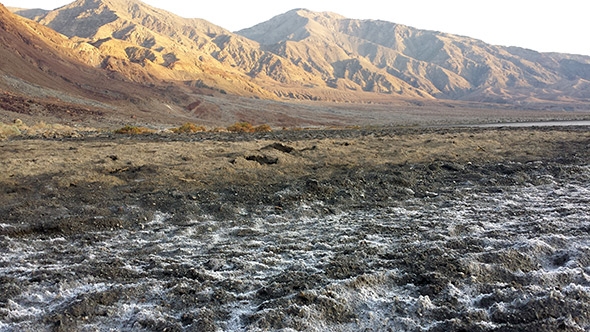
(324, 56)
(319, 56)
(387, 57)
(44, 75)
(148, 44)
(39, 62)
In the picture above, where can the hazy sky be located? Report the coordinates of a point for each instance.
(542, 25)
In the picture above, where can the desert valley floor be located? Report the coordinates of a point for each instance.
(401, 229)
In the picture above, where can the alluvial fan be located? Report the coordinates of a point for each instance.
(507, 258)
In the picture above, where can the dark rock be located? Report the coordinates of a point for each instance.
(280, 147)
(263, 159)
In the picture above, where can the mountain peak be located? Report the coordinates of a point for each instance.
(121, 7)
(304, 12)
(96, 19)
(295, 25)
(95, 3)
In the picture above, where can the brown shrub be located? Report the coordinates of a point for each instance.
(241, 127)
(246, 127)
(264, 128)
(133, 130)
(188, 128)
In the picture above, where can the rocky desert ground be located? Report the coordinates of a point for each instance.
(401, 229)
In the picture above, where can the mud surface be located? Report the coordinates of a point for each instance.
(347, 230)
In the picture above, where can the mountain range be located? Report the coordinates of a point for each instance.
(298, 55)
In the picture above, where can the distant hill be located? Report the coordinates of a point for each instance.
(304, 55)
(386, 57)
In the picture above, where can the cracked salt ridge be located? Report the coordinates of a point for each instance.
(546, 225)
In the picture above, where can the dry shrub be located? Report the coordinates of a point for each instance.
(133, 130)
(42, 129)
(9, 130)
(264, 128)
(188, 128)
(241, 127)
(51, 130)
(246, 127)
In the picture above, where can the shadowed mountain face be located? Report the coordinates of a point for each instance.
(321, 56)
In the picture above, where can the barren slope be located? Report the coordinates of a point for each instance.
(344, 51)
(42, 77)
(318, 56)
(145, 43)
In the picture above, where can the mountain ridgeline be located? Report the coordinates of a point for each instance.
(318, 56)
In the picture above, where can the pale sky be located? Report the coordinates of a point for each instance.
(542, 25)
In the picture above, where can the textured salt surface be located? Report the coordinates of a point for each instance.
(514, 258)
